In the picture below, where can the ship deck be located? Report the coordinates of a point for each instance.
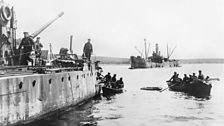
(7, 71)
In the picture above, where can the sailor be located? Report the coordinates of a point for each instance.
(178, 79)
(120, 83)
(186, 78)
(174, 77)
(38, 47)
(194, 76)
(99, 74)
(7, 41)
(200, 75)
(108, 77)
(207, 79)
(190, 78)
(27, 44)
(88, 50)
(97, 67)
(113, 80)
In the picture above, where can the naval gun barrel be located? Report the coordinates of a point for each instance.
(35, 34)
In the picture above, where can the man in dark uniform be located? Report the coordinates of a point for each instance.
(88, 49)
(113, 80)
(200, 76)
(186, 78)
(120, 83)
(38, 47)
(194, 76)
(174, 77)
(27, 44)
(107, 77)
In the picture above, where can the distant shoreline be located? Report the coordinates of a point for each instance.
(117, 60)
(201, 61)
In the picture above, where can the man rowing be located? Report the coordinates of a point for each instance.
(200, 75)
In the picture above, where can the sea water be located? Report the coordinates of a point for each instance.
(137, 107)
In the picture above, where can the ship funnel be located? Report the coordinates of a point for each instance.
(157, 48)
(71, 51)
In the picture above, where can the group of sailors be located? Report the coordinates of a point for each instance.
(112, 82)
(27, 45)
(186, 79)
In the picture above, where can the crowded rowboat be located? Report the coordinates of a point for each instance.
(111, 84)
(192, 85)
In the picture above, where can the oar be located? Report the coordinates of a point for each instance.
(168, 87)
(163, 89)
(211, 79)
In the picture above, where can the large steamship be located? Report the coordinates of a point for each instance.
(31, 92)
(154, 61)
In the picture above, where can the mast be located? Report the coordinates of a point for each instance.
(148, 49)
(172, 51)
(157, 49)
(71, 37)
(51, 52)
(139, 51)
(145, 50)
(167, 51)
(13, 29)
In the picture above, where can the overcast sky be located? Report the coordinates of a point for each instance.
(195, 27)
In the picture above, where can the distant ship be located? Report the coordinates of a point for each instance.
(154, 61)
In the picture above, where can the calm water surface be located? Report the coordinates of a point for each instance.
(136, 107)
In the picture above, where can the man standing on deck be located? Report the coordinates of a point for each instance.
(38, 47)
(88, 49)
(27, 44)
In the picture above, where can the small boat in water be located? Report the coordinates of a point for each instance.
(111, 91)
(195, 87)
(151, 88)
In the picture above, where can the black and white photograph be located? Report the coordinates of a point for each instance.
(111, 62)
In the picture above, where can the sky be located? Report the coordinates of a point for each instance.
(194, 27)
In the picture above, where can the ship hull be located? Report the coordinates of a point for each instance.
(28, 97)
(196, 87)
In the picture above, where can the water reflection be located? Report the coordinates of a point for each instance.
(194, 96)
(77, 116)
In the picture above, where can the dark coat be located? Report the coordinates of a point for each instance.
(88, 48)
(27, 44)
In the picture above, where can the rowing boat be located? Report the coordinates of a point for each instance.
(195, 87)
(110, 91)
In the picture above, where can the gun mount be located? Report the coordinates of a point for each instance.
(9, 54)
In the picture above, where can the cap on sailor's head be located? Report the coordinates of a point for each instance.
(25, 32)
